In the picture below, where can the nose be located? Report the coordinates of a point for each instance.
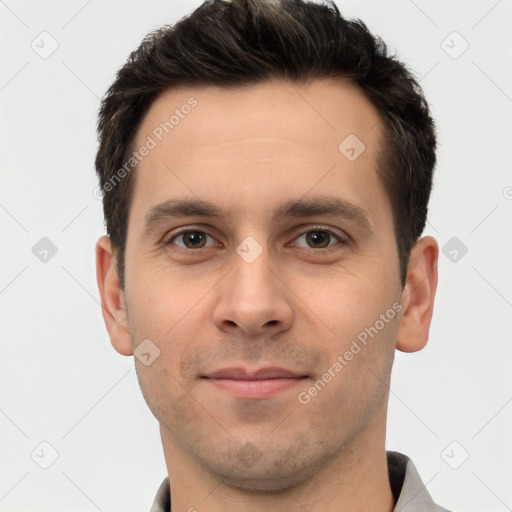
(253, 300)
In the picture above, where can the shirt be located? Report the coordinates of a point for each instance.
(408, 490)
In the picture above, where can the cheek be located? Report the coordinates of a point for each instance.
(166, 300)
(353, 384)
(165, 395)
(363, 317)
(344, 302)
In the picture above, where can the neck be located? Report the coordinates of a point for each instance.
(356, 480)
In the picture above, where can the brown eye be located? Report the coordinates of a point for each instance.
(190, 240)
(319, 239)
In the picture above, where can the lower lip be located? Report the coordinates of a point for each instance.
(254, 389)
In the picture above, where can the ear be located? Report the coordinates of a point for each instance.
(113, 304)
(418, 296)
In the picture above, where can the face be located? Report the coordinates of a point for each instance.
(261, 263)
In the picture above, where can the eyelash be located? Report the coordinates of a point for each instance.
(340, 239)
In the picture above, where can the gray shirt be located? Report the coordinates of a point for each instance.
(409, 491)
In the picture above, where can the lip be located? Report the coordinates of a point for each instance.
(240, 373)
(254, 384)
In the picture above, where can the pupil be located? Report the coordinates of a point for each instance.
(195, 237)
(319, 238)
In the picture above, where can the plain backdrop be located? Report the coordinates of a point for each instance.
(62, 383)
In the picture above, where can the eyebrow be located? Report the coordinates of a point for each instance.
(317, 205)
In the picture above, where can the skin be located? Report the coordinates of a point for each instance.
(296, 306)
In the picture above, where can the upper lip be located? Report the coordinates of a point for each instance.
(239, 373)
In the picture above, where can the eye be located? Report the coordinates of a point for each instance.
(191, 239)
(319, 239)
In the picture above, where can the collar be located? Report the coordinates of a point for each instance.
(409, 491)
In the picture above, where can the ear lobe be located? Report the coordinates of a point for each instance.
(418, 296)
(113, 304)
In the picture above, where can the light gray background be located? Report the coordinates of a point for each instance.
(63, 383)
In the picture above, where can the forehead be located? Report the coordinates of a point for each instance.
(271, 108)
(230, 145)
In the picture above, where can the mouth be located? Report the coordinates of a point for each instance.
(255, 384)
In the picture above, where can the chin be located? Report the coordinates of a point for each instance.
(279, 471)
(270, 482)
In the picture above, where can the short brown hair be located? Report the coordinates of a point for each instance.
(244, 42)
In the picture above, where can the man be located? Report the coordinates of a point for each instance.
(266, 170)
